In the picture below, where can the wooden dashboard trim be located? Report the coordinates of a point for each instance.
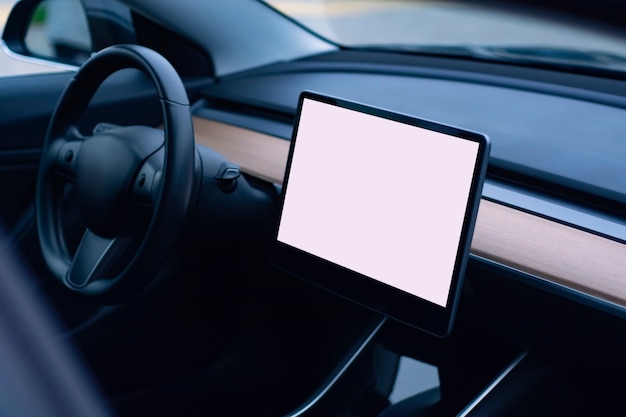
(547, 249)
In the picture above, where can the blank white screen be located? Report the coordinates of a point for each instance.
(381, 198)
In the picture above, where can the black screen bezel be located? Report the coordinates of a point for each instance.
(373, 294)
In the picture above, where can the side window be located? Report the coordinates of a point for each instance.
(55, 32)
(56, 35)
(58, 30)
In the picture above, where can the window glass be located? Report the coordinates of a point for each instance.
(12, 65)
(456, 28)
(59, 30)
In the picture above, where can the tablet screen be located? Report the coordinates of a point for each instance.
(379, 207)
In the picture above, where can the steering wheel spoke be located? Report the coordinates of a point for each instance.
(94, 256)
(148, 180)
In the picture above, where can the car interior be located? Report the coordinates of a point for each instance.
(145, 179)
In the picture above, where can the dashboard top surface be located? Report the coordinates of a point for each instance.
(569, 138)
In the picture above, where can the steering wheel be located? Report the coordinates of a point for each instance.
(133, 184)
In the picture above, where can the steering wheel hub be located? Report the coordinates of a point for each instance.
(104, 174)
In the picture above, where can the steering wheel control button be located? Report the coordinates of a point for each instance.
(66, 158)
(142, 190)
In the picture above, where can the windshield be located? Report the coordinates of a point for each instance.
(455, 28)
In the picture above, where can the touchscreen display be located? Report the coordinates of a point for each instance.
(380, 196)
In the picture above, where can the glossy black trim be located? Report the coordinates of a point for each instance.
(341, 370)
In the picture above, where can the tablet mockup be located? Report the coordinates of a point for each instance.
(379, 207)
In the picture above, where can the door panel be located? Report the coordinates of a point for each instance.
(27, 105)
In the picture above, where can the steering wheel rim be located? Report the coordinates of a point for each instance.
(153, 183)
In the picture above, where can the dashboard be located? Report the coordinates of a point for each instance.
(543, 249)
(546, 261)
(559, 244)
(548, 254)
